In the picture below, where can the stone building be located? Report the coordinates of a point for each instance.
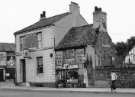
(7, 61)
(35, 60)
(83, 50)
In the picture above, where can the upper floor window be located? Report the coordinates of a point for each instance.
(21, 42)
(39, 39)
(33, 40)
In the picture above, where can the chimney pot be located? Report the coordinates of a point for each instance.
(97, 9)
(43, 15)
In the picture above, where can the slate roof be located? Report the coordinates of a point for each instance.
(78, 36)
(7, 47)
(43, 23)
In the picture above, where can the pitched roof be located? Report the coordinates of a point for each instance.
(77, 36)
(7, 47)
(43, 23)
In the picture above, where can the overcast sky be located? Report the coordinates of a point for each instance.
(17, 14)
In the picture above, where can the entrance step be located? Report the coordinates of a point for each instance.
(24, 84)
(7, 84)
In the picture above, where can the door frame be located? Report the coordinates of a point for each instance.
(23, 69)
(3, 69)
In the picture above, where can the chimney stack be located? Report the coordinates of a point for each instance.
(43, 15)
(74, 7)
(99, 18)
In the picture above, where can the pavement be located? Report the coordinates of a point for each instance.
(11, 86)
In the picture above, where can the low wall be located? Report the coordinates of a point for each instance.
(126, 77)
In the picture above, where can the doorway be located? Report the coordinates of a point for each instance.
(1, 74)
(23, 69)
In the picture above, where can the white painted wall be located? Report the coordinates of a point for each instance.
(48, 64)
(31, 66)
(91, 52)
(65, 24)
(131, 56)
(59, 30)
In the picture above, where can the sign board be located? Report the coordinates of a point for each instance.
(26, 54)
(11, 61)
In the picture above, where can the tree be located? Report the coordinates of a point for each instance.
(121, 52)
(123, 49)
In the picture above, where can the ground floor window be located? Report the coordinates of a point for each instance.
(67, 78)
(40, 64)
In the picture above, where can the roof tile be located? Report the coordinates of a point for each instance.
(78, 36)
(43, 23)
(7, 47)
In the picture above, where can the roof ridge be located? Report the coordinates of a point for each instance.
(7, 47)
(55, 16)
(83, 26)
(6, 43)
(43, 23)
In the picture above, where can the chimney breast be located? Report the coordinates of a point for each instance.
(99, 18)
(74, 7)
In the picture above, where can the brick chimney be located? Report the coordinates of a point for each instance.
(43, 15)
(99, 18)
(74, 7)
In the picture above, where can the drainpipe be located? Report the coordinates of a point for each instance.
(93, 66)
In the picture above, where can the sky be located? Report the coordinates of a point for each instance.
(18, 14)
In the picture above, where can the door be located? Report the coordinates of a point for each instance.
(1, 74)
(23, 70)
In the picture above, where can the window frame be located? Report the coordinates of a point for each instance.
(21, 42)
(39, 40)
(40, 66)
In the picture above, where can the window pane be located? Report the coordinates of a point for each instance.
(39, 64)
(22, 43)
(31, 41)
(39, 35)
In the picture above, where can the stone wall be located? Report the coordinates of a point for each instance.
(104, 49)
(126, 77)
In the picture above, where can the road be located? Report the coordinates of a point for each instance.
(23, 93)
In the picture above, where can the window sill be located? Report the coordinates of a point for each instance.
(40, 74)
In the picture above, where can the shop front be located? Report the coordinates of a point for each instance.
(67, 77)
(70, 68)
